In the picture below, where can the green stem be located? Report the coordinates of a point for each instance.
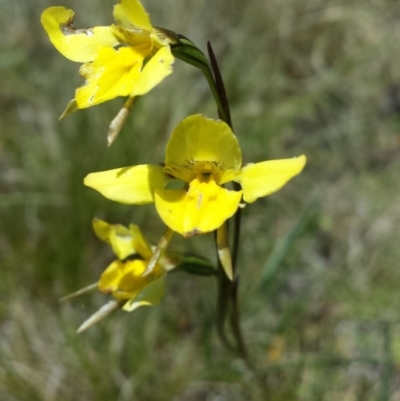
(223, 307)
(230, 287)
(227, 304)
(223, 101)
(235, 321)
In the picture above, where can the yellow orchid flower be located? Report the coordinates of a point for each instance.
(126, 59)
(123, 278)
(205, 155)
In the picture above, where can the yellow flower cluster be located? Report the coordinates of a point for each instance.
(126, 59)
(203, 156)
(123, 279)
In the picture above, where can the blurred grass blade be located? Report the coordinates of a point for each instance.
(283, 245)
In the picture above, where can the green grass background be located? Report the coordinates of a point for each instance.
(319, 261)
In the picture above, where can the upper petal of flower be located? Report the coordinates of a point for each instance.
(131, 15)
(130, 185)
(262, 179)
(125, 241)
(202, 209)
(198, 138)
(122, 241)
(133, 37)
(134, 26)
(102, 229)
(140, 243)
(118, 236)
(79, 45)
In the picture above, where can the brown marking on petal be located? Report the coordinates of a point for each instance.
(165, 36)
(189, 163)
(160, 35)
(192, 233)
(107, 291)
(69, 29)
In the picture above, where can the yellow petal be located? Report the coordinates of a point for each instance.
(113, 73)
(121, 241)
(262, 179)
(202, 209)
(131, 14)
(124, 241)
(140, 243)
(123, 279)
(155, 70)
(79, 45)
(150, 295)
(102, 229)
(130, 185)
(134, 37)
(198, 138)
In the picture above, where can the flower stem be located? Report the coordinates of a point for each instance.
(229, 289)
(223, 307)
(227, 305)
